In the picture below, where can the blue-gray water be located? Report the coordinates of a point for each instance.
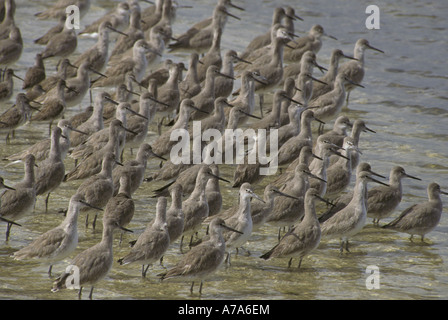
(404, 101)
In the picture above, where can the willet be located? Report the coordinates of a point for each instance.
(382, 201)
(43, 40)
(321, 168)
(329, 77)
(305, 156)
(93, 263)
(200, 40)
(304, 84)
(163, 144)
(50, 173)
(217, 120)
(7, 85)
(58, 243)
(93, 124)
(272, 120)
(289, 86)
(41, 149)
(17, 115)
(354, 70)
(9, 10)
(169, 93)
(99, 188)
(119, 19)
(339, 174)
(420, 219)
(213, 56)
(62, 44)
(292, 128)
(165, 22)
(213, 192)
(91, 163)
(290, 150)
(35, 74)
(136, 64)
(241, 220)
(311, 42)
(343, 200)
(204, 259)
(131, 35)
(97, 55)
(175, 218)
(135, 168)
(305, 65)
(287, 211)
(338, 133)
(152, 244)
(20, 201)
(120, 208)
(151, 15)
(265, 39)
(224, 85)
(349, 221)
(195, 207)
(62, 70)
(261, 210)
(59, 9)
(11, 48)
(190, 85)
(330, 104)
(302, 239)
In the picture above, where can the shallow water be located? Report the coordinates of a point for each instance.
(404, 101)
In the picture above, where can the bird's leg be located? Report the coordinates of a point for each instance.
(46, 202)
(91, 293)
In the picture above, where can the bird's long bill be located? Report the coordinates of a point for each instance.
(8, 187)
(91, 206)
(349, 57)
(324, 200)
(71, 89)
(158, 156)
(98, 73)
(249, 115)
(16, 76)
(79, 131)
(443, 192)
(160, 102)
(370, 130)
(137, 114)
(111, 100)
(412, 177)
(377, 174)
(295, 101)
(340, 155)
(317, 157)
(315, 177)
(235, 6)
(218, 177)
(285, 195)
(231, 15)
(229, 228)
(225, 75)
(133, 92)
(117, 31)
(317, 80)
(129, 130)
(318, 120)
(330, 36)
(126, 230)
(257, 197)
(197, 109)
(354, 83)
(377, 181)
(373, 48)
(119, 163)
(9, 221)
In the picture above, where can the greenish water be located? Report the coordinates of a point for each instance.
(404, 100)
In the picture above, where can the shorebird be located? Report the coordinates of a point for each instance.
(190, 85)
(118, 18)
(121, 207)
(224, 85)
(58, 243)
(349, 221)
(169, 93)
(422, 218)
(330, 104)
(135, 168)
(205, 100)
(311, 42)
(50, 173)
(99, 188)
(338, 133)
(62, 71)
(302, 239)
(93, 263)
(213, 192)
(329, 77)
(7, 85)
(175, 218)
(11, 48)
(59, 9)
(212, 57)
(165, 22)
(62, 44)
(35, 74)
(341, 201)
(136, 64)
(202, 260)
(382, 201)
(17, 115)
(132, 33)
(17, 203)
(200, 39)
(152, 244)
(7, 21)
(43, 40)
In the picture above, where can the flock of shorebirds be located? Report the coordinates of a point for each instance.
(316, 165)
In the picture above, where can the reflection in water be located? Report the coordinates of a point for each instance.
(404, 101)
